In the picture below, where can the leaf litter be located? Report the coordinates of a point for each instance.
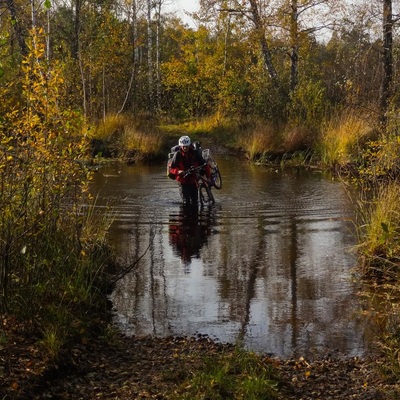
(150, 368)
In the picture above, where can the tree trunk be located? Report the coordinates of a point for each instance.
(150, 66)
(130, 98)
(263, 41)
(77, 29)
(48, 33)
(294, 38)
(33, 13)
(19, 31)
(158, 56)
(387, 62)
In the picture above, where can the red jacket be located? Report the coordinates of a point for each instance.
(183, 161)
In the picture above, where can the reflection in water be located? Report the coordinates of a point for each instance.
(188, 232)
(269, 266)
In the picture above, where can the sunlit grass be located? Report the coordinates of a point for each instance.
(379, 246)
(342, 138)
(379, 249)
(289, 143)
(261, 140)
(120, 135)
(145, 143)
(380, 223)
(213, 128)
(112, 125)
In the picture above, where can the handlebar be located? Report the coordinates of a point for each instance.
(193, 170)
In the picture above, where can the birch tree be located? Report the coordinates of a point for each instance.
(150, 66)
(288, 22)
(387, 60)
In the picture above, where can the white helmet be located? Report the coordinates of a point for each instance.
(184, 141)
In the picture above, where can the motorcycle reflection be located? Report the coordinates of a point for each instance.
(188, 232)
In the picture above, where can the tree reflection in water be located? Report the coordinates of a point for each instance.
(268, 266)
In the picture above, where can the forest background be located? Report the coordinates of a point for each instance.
(310, 82)
(292, 69)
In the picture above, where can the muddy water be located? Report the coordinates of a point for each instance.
(268, 266)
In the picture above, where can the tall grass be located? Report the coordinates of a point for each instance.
(214, 128)
(145, 144)
(122, 136)
(342, 139)
(259, 141)
(380, 223)
(297, 138)
(379, 206)
(262, 141)
(379, 249)
(60, 277)
(109, 128)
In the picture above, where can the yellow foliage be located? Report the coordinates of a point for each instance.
(41, 172)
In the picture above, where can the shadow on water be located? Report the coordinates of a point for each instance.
(268, 266)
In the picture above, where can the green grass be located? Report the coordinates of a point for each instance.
(59, 280)
(237, 375)
(53, 339)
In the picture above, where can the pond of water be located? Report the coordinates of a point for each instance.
(268, 266)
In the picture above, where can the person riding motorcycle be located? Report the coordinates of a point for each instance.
(185, 158)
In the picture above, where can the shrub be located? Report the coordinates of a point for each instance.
(51, 269)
